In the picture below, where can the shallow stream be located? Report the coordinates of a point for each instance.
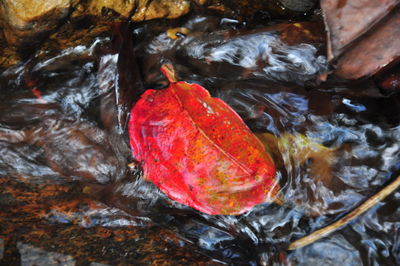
(60, 131)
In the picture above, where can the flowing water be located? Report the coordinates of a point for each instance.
(59, 125)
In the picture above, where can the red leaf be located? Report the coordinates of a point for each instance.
(198, 151)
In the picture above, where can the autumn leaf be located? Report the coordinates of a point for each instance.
(198, 151)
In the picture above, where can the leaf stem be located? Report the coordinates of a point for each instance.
(307, 240)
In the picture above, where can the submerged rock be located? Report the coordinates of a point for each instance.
(256, 10)
(145, 10)
(35, 256)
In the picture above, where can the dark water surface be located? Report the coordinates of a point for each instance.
(64, 158)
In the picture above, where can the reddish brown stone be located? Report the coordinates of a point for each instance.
(347, 20)
(373, 52)
(25, 217)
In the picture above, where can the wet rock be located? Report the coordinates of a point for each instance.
(55, 220)
(23, 19)
(373, 52)
(300, 32)
(27, 26)
(363, 36)
(145, 10)
(298, 5)
(161, 9)
(124, 8)
(35, 256)
(349, 19)
(262, 11)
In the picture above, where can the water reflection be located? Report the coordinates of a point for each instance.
(70, 133)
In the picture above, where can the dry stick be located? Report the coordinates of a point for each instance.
(346, 219)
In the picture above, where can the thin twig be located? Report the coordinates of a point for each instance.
(346, 219)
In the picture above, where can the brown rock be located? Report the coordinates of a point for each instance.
(362, 36)
(248, 10)
(373, 52)
(124, 8)
(298, 5)
(28, 25)
(24, 19)
(26, 210)
(161, 9)
(145, 10)
(347, 20)
(300, 32)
